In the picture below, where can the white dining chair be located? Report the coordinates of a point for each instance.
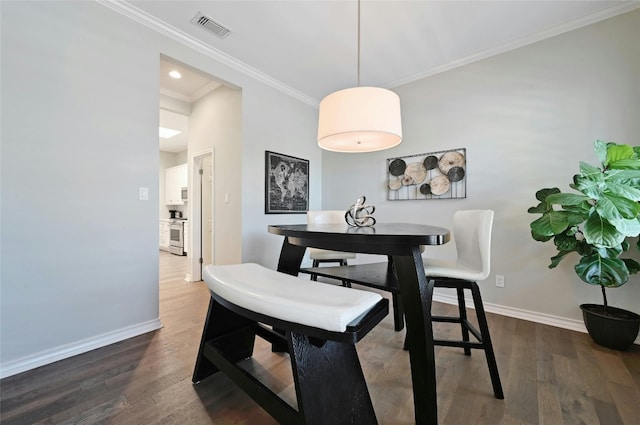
(472, 234)
(318, 255)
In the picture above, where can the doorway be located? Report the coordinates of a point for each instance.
(206, 209)
(201, 198)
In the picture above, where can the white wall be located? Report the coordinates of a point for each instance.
(215, 123)
(79, 250)
(288, 129)
(527, 118)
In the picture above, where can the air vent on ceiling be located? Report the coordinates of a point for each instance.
(210, 25)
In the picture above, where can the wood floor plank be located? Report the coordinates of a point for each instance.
(550, 376)
(521, 393)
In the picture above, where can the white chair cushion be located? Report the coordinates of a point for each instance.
(325, 254)
(451, 268)
(257, 288)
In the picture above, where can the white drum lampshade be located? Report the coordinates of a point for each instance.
(360, 119)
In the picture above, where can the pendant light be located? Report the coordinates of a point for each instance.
(359, 119)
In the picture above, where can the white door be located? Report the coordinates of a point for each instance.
(207, 210)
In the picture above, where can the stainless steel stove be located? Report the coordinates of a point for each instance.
(176, 236)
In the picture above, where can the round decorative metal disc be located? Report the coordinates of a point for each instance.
(425, 189)
(456, 174)
(450, 160)
(395, 183)
(416, 171)
(440, 185)
(430, 162)
(397, 167)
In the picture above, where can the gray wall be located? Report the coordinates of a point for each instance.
(80, 96)
(526, 117)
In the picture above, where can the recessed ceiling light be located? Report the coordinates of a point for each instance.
(175, 74)
(167, 133)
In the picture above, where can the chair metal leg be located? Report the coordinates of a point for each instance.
(314, 276)
(486, 340)
(345, 283)
(462, 309)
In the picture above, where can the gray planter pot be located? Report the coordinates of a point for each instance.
(617, 331)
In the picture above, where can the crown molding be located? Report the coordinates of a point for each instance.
(150, 21)
(205, 90)
(589, 19)
(175, 95)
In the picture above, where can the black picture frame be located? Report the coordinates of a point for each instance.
(286, 184)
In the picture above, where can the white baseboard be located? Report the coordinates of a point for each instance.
(42, 358)
(531, 316)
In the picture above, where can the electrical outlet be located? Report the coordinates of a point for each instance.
(500, 281)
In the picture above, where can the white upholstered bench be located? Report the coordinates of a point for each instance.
(318, 322)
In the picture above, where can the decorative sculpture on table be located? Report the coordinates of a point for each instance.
(360, 214)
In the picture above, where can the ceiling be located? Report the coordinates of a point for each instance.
(309, 48)
(190, 87)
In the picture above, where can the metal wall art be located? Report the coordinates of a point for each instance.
(360, 214)
(286, 184)
(435, 175)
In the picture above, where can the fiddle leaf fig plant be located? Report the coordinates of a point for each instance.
(598, 221)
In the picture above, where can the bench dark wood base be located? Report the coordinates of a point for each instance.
(317, 357)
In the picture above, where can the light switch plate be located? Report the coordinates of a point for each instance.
(144, 193)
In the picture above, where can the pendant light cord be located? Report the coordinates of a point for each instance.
(358, 78)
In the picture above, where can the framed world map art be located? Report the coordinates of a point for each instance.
(286, 184)
(434, 175)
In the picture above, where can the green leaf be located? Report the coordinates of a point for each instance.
(610, 252)
(625, 207)
(600, 148)
(601, 233)
(631, 164)
(632, 265)
(565, 242)
(541, 208)
(628, 227)
(566, 199)
(591, 188)
(621, 175)
(607, 272)
(624, 190)
(540, 238)
(617, 153)
(588, 170)
(551, 223)
(542, 194)
(555, 260)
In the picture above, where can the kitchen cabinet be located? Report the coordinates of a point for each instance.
(164, 234)
(175, 179)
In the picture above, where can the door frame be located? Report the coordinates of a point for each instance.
(194, 272)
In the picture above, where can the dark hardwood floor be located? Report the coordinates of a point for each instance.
(550, 376)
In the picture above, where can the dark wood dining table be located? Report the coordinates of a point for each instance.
(401, 242)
